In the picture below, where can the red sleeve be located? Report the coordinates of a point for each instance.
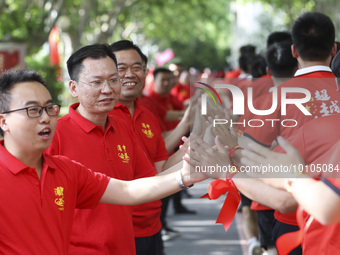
(264, 129)
(90, 185)
(92, 188)
(297, 140)
(332, 183)
(315, 138)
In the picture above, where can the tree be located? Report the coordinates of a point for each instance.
(28, 21)
(294, 8)
(94, 21)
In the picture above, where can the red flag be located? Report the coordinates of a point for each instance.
(53, 41)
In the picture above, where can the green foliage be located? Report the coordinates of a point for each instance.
(28, 21)
(41, 64)
(166, 23)
(200, 54)
(294, 8)
(198, 31)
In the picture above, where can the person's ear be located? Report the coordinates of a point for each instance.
(337, 84)
(3, 123)
(294, 51)
(334, 49)
(73, 87)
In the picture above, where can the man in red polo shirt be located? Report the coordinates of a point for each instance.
(281, 67)
(182, 88)
(39, 192)
(313, 46)
(131, 68)
(166, 107)
(103, 143)
(313, 38)
(173, 120)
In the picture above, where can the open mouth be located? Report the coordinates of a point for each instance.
(129, 84)
(46, 132)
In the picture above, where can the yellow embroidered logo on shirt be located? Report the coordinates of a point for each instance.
(147, 130)
(122, 153)
(59, 192)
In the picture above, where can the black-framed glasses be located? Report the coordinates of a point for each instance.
(99, 84)
(36, 111)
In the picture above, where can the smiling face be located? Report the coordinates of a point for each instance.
(96, 102)
(131, 69)
(25, 135)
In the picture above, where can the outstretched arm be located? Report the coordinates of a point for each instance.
(265, 194)
(317, 198)
(147, 189)
(202, 154)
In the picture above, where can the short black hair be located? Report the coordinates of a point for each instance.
(279, 36)
(160, 70)
(7, 81)
(128, 45)
(335, 65)
(280, 60)
(94, 51)
(258, 66)
(313, 36)
(247, 49)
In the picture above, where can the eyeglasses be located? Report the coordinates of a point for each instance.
(36, 111)
(98, 84)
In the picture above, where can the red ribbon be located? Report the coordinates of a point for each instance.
(219, 187)
(289, 241)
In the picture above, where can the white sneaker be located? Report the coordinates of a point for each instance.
(255, 248)
(169, 233)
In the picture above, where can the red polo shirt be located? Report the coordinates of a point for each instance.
(262, 86)
(107, 229)
(181, 92)
(146, 217)
(36, 215)
(324, 101)
(317, 238)
(314, 139)
(159, 105)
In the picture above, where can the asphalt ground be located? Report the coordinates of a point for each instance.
(199, 234)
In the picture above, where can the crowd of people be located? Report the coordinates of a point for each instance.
(288, 133)
(99, 179)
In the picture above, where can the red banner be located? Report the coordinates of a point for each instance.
(12, 55)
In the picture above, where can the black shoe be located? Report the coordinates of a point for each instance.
(184, 210)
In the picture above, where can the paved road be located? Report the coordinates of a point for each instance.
(199, 233)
